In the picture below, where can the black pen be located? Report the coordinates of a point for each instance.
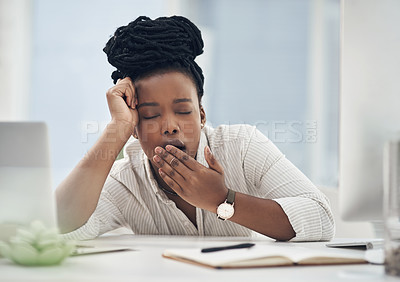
(217, 249)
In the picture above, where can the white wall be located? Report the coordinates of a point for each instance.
(70, 72)
(15, 59)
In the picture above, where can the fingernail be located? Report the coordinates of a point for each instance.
(158, 150)
(161, 172)
(156, 158)
(168, 147)
(208, 150)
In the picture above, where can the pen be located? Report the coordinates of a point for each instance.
(217, 249)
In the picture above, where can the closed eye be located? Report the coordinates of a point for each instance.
(184, 113)
(151, 117)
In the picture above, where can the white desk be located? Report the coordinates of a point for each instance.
(145, 264)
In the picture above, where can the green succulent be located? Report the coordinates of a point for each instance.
(37, 245)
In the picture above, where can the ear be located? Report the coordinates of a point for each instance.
(202, 115)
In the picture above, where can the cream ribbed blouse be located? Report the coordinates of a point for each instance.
(253, 165)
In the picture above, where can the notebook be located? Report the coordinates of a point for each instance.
(265, 256)
(25, 176)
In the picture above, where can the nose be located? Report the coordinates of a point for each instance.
(170, 127)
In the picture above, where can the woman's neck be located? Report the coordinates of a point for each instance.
(160, 181)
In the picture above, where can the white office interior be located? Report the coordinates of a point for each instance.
(282, 66)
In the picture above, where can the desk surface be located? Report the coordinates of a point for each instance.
(146, 264)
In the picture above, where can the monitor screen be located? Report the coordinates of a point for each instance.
(369, 103)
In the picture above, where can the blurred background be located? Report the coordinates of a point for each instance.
(270, 63)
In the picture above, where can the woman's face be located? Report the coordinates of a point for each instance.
(169, 113)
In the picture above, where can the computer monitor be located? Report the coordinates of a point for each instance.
(369, 103)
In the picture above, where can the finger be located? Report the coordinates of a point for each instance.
(122, 93)
(170, 181)
(170, 167)
(172, 162)
(119, 90)
(187, 160)
(132, 99)
(125, 89)
(173, 174)
(129, 92)
(212, 161)
(128, 99)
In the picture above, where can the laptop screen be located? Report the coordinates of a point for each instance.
(25, 176)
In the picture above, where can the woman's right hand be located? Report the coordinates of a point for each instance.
(122, 102)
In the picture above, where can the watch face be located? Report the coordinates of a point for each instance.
(225, 210)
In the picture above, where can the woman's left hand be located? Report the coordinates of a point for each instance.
(198, 185)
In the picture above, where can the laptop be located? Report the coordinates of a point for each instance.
(25, 182)
(25, 176)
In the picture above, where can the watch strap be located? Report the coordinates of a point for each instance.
(230, 198)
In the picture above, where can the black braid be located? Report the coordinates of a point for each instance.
(146, 47)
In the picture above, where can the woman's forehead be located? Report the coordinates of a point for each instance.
(166, 87)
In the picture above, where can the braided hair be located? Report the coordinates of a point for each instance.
(145, 47)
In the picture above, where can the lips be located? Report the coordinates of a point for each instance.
(176, 143)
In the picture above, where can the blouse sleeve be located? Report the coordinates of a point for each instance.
(276, 178)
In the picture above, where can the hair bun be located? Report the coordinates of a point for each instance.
(144, 44)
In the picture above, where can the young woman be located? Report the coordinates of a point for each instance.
(179, 176)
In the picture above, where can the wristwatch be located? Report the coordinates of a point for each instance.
(226, 210)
